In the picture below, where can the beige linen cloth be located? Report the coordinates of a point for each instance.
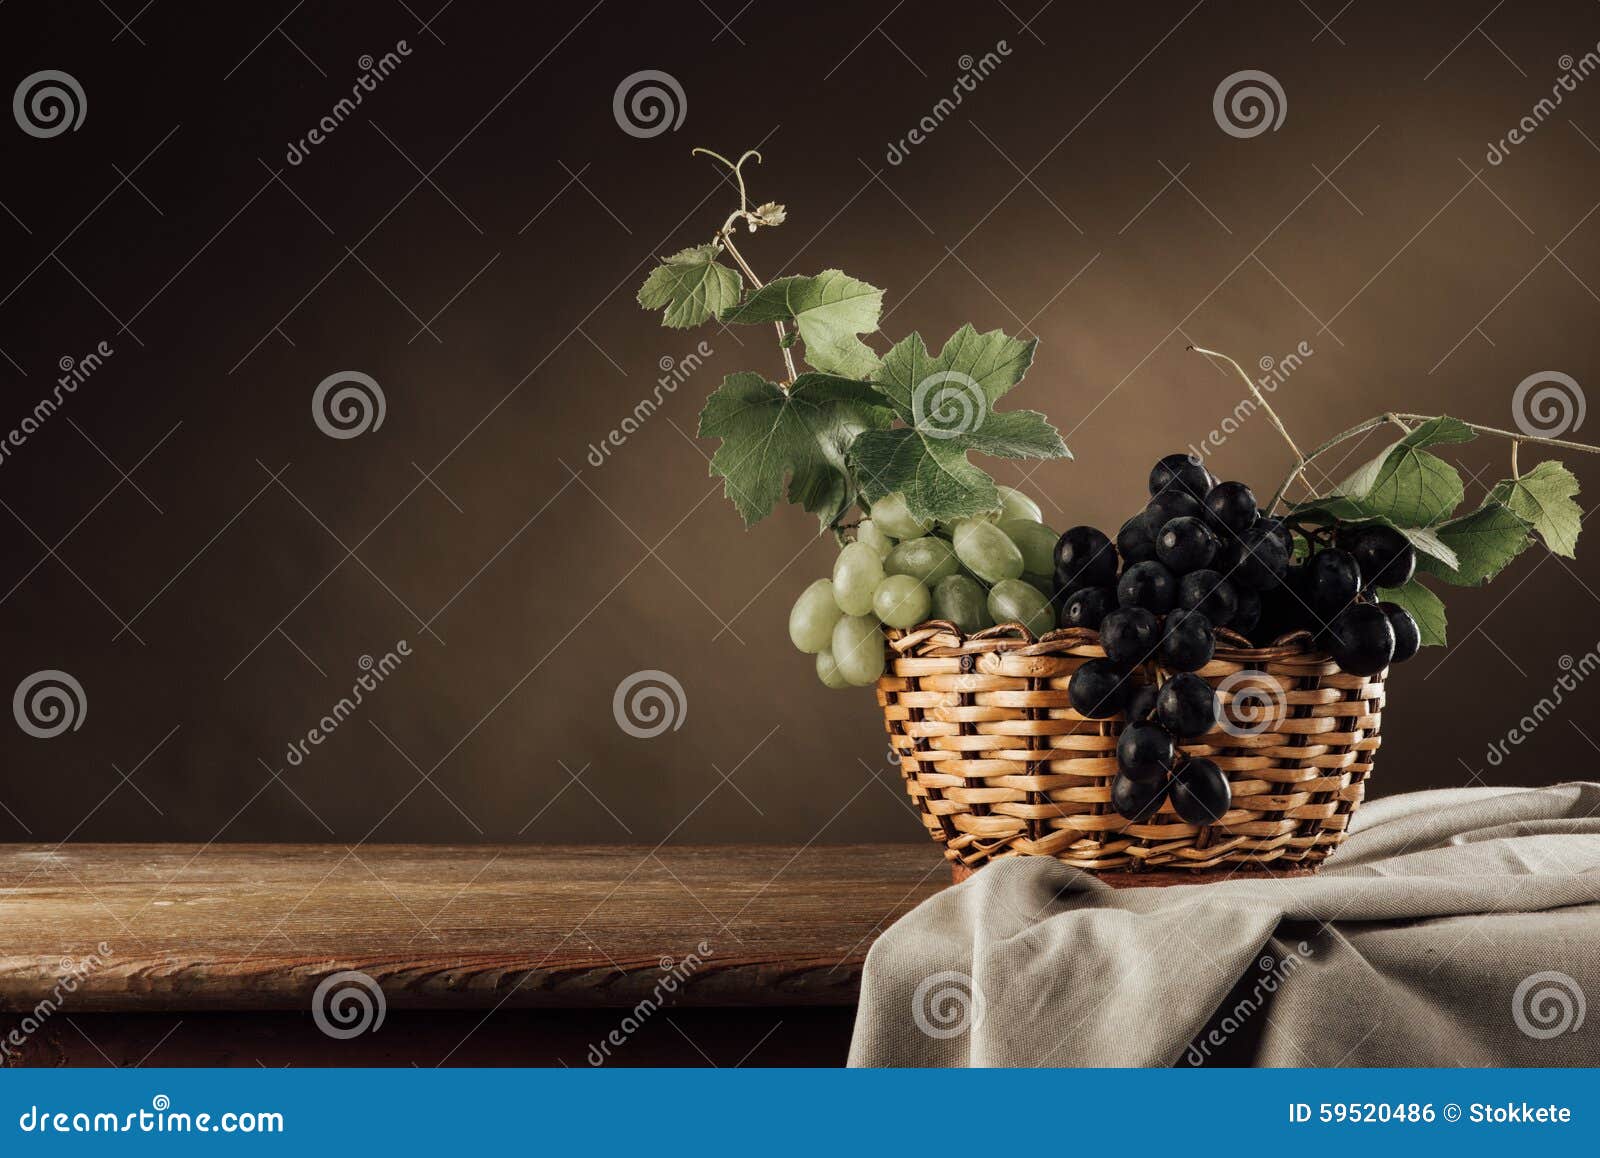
(1455, 927)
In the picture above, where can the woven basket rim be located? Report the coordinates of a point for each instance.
(941, 637)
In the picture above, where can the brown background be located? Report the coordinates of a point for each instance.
(486, 189)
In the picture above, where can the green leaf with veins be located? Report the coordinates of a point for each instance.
(828, 310)
(1403, 485)
(1485, 541)
(947, 403)
(1425, 607)
(1426, 540)
(692, 285)
(1543, 497)
(769, 435)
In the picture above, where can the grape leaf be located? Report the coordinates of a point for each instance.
(769, 434)
(828, 310)
(1425, 607)
(1543, 497)
(693, 286)
(947, 403)
(1404, 485)
(1425, 539)
(1485, 540)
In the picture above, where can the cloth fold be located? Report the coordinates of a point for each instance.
(1453, 927)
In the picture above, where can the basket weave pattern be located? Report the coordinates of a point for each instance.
(999, 764)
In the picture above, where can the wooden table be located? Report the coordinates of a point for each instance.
(485, 954)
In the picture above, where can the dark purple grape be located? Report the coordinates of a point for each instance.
(1099, 689)
(1186, 706)
(1188, 643)
(1185, 544)
(1407, 636)
(1148, 585)
(1200, 792)
(1136, 542)
(1137, 799)
(1087, 606)
(1385, 556)
(1262, 559)
(1361, 639)
(1145, 752)
(1174, 504)
(1232, 505)
(1085, 558)
(1130, 635)
(1247, 613)
(1209, 592)
(1183, 472)
(1141, 703)
(1333, 579)
(1280, 531)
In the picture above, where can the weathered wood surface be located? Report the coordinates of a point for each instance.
(256, 927)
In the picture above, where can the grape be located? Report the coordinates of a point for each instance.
(962, 600)
(856, 575)
(1262, 559)
(1036, 541)
(872, 535)
(1185, 544)
(1136, 541)
(1281, 532)
(1148, 585)
(1087, 607)
(892, 516)
(1136, 799)
(1385, 556)
(1333, 578)
(1174, 504)
(1361, 639)
(812, 617)
(1085, 558)
(1130, 635)
(1012, 599)
(928, 559)
(900, 601)
(1183, 472)
(1043, 584)
(1141, 703)
(1232, 506)
(828, 671)
(858, 649)
(1247, 612)
(1099, 689)
(1407, 636)
(984, 550)
(1016, 505)
(1189, 643)
(1145, 752)
(1186, 706)
(1200, 792)
(1209, 592)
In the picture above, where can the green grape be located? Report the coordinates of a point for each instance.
(872, 535)
(856, 575)
(858, 649)
(828, 671)
(895, 520)
(928, 559)
(1036, 541)
(1044, 584)
(962, 600)
(986, 551)
(1016, 505)
(901, 601)
(812, 617)
(1012, 599)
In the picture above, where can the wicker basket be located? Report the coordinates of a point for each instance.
(999, 764)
